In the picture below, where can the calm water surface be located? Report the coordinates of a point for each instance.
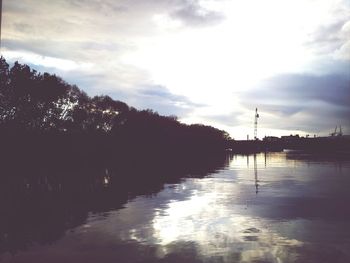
(277, 207)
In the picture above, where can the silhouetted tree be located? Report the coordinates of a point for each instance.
(5, 91)
(42, 103)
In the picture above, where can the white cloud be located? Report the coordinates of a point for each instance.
(344, 51)
(46, 61)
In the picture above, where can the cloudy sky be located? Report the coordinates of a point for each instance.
(206, 61)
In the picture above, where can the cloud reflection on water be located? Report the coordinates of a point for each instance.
(223, 219)
(219, 230)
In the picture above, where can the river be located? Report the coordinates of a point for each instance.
(274, 207)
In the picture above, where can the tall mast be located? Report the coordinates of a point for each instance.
(256, 124)
(0, 20)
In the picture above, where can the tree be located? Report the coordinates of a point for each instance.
(5, 91)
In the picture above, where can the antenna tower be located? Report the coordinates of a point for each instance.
(0, 20)
(256, 124)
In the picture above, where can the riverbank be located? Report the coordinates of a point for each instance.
(338, 144)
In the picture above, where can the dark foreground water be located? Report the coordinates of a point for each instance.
(277, 207)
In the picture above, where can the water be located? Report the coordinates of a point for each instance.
(277, 207)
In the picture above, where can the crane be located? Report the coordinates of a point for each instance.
(0, 19)
(335, 133)
(256, 124)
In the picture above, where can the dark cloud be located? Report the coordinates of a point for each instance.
(301, 101)
(302, 88)
(72, 29)
(49, 48)
(17, 7)
(192, 13)
(314, 118)
(105, 6)
(160, 99)
(56, 48)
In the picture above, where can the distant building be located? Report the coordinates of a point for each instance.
(290, 138)
(271, 139)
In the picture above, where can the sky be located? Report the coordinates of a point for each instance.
(205, 61)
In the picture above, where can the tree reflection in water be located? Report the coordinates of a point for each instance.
(298, 214)
(39, 205)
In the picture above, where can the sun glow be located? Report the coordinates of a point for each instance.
(256, 40)
(211, 65)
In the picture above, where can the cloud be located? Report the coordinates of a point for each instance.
(160, 99)
(192, 13)
(302, 101)
(122, 83)
(301, 88)
(223, 120)
(333, 36)
(93, 32)
(145, 96)
(122, 17)
(124, 48)
(343, 52)
(57, 48)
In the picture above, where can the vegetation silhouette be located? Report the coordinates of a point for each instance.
(45, 118)
(65, 154)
